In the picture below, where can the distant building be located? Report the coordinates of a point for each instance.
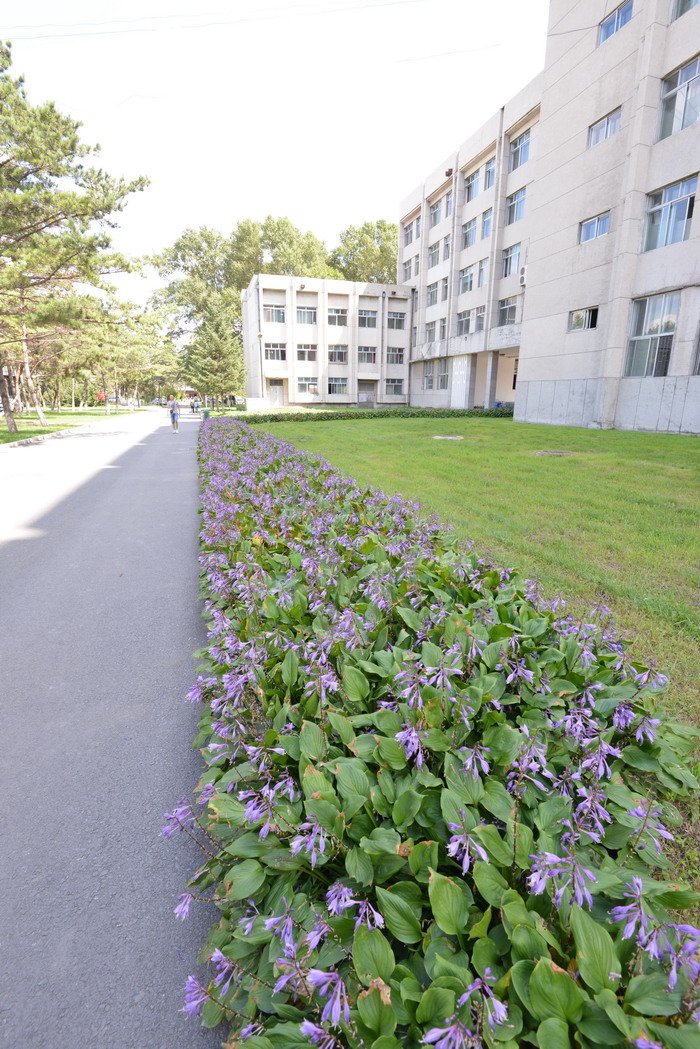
(311, 341)
(555, 257)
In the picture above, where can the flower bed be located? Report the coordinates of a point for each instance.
(435, 804)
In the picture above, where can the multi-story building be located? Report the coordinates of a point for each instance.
(312, 341)
(554, 258)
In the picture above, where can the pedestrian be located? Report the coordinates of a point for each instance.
(174, 411)
(196, 405)
(191, 405)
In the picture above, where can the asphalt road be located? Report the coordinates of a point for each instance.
(98, 623)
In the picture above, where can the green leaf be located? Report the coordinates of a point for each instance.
(553, 1033)
(437, 1004)
(489, 882)
(356, 684)
(372, 956)
(406, 808)
(554, 993)
(410, 617)
(596, 1027)
(422, 857)
(244, 880)
(649, 995)
(685, 1037)
(399, 917)
(352, 778)
(212, 1014)
(497, 800)
(374, 1007)
(359, 866)
(607, 1000)
(290, 667)
(344, 729)
(391, 752)
(595, 952)
(527, 944)
(448, 903)
(520, 978)
(495, 845)
(313, 742)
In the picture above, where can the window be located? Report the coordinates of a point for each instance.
(407, 269)
(407, 234)
(306, 314)
(486, 223)
(416, 265)
(443, 327)
(463, 322)
(579, 320)
(598, 226)
(506, 311)
(433, 255)
(680, 99)
(615, 21)
(337, 385)
(604, 128)
(651, 338)
(443, 373)
(669, 213)
(414, 335)
(483, 275)
(519, 150)
(511, 260)
(309, 384)
(435, 213)
(515, 372)
(337, 355)
(275, 351)
(366, 355)
(447, 247)
(448, 204)
(431, 297)
(419, 224)
(466, 279)
(394, 386)
(430, 331)
(480, 318)
(469, 233)
(337, 317)
(274, 314)
(367, 318)
(444, 288)
(515, 206)
(471, 186)
(428, 374)
(396, 321)
(394, 355)
(682, 6)
(306, 352)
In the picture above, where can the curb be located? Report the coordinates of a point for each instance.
(40, 438)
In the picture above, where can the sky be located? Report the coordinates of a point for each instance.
(327, 111)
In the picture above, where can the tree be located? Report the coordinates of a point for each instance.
(49, 204)
(213, 362)
(368, 253)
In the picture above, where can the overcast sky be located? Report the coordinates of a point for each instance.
(327, 111)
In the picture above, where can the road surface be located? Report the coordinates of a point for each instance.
(98, 623)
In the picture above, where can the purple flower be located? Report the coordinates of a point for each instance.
(317, 1035)
(339, 898)
(331, 986)
(317, 934)
(597, 753)
(633, 914)
(651, 828)
(313, 841)
(410, 739)
(183, 907)
(195, 997)
(590, 814)
(226, 970)
(249, 1030)
(246, 923)
(454, 1036)
(645, 1043)
(473, 756)
(564, 873)
(368, 916)
(179, 819)
(293, 974)
(496, 1010)
(462, 844)
(649, 677)
(646, 729)
(282, 926)
(623, 717)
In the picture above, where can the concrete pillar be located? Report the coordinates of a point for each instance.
(470, 381)
(491, 378)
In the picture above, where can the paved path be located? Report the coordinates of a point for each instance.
(98, 622)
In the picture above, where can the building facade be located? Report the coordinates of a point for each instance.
(310, 341)
(554, 260)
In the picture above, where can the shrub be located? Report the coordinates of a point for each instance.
(380, 413)
(436, 805)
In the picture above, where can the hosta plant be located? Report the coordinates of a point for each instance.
(435, 805)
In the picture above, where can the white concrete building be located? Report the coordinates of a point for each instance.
(554, 258)
(312, 341)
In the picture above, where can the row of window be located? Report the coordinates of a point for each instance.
(337, 354)
(622, 15)
(650, 342)
(436, 378)
(337, 384)
(337, 317)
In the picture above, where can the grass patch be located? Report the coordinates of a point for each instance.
(619, 513)
(28, 422)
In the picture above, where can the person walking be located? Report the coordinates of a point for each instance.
(174, 412)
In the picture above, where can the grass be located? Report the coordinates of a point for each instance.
(28, 422)
(619, 512)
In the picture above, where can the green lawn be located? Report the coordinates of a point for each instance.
(619, 512)
(28, 423)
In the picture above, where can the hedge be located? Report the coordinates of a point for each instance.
(380, 413)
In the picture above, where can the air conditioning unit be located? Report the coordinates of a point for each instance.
(523, 276)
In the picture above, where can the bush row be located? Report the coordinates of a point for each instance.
(435, 805)
(380, 413)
